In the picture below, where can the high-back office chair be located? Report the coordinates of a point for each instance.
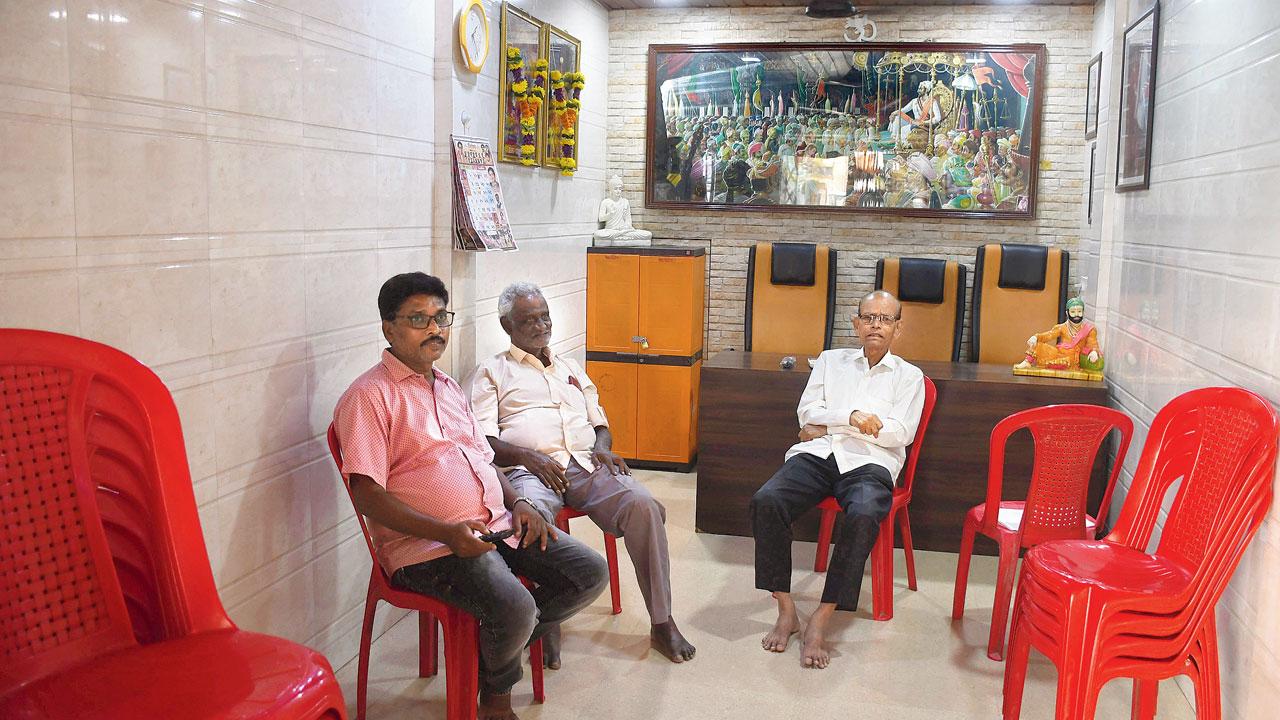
(932, 296)
(108, 608)
(1018, 290)
(791, 298)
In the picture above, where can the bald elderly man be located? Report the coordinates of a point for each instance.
(858, 414)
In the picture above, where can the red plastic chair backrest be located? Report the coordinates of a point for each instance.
(1221, 444)
(100, 544)
(908, 476)
(1067, 439)
(335, 449)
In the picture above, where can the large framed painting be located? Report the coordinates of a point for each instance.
(1137, 101)
(564, 62)
(922, 129)
(520, 114)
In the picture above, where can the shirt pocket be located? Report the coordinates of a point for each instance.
(572, 397)
(879, 388)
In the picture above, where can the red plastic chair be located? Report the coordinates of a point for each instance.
(461, 632)
(1106, 609)
(882, 553)
(610, 553)
(1067, 439)
(108, 608)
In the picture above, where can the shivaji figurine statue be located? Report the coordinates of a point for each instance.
(1067, 350)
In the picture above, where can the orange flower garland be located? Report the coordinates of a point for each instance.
(528, 99)
(565, 106)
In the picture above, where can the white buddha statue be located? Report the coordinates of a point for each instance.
(615, 213)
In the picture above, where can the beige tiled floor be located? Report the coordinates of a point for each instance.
(916, 666)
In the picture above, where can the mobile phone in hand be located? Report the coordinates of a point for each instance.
(494, 537)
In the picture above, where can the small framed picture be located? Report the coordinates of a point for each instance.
(1093, 97)
(1093, 156)
(520, 117)
(1137, 101)
(564, 56)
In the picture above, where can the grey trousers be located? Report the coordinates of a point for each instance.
(621, 506)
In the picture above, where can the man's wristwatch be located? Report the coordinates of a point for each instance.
(525, 500)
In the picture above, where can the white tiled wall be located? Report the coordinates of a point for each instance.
(219, 188)
(1190, 268)
(552, 216)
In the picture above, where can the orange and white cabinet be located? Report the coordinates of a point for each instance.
(645, 309)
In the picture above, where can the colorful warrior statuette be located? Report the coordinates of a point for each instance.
(1067, 350)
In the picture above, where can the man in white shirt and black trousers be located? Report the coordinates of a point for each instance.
(859, 412)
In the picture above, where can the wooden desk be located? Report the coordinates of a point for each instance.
(747, 420)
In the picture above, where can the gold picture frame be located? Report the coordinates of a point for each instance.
(564, 54)
(525, 32)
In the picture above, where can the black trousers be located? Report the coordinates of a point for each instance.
(864, 493)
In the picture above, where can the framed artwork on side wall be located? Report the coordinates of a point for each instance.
(564, 65)
(1093, 156)
(1092, 97)
(922, 129)
(1137, 101)
(521, 88)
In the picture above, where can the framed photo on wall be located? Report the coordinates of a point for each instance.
(1092, 97)
(1137, 101)
(1093, 156)
(922, 129)
(564, 56)
(520, 116)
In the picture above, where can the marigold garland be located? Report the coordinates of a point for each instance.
(565, 106)
(528, 100)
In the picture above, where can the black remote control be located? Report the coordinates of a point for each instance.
(494, 537)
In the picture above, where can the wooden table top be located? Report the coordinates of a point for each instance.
(937, 371)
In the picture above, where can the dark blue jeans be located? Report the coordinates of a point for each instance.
(569, 575)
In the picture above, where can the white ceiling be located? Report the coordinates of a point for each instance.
(668, 4)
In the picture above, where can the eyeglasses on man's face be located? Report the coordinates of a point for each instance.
(421, 321)
(880, 320)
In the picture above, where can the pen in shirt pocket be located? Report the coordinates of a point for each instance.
(574, 382)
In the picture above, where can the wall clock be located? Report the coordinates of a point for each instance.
(473, 35)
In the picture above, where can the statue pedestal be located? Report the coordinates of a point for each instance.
(622, 240)
(1064, 374)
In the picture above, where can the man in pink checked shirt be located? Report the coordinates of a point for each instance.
(422, 472)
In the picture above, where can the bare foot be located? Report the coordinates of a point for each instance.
(813, 652)
(666, 639)
(551, 649)
(495, 707)
(788, 624)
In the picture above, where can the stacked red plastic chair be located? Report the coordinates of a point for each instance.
(610, 554)
(1067, 439)
(461, 633)
(882, 553)
(108, 608)
(1109, 609)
